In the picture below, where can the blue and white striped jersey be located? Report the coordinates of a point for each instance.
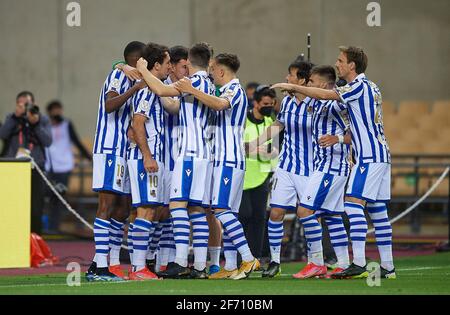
(229, 147)
(148, 104)
(330, 118)
(170, 136)
(111, 132)
(194, 120)
(363, 99)
(296, 155)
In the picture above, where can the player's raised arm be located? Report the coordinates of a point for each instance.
(153, 82)
(317, 93)
(217, 103)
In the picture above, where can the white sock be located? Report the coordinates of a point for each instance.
(101, 238)
(181, 233)
(214, 254)
(339, 240)
(383, 233)
(275, 231)
(230, 253)
(115, 241)
(358, 231)
(200, 236)
(313, 235)
(142, 231)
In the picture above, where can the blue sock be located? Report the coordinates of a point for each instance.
(181, 234)
(200, 236)
(358, 231)
(142, 231)
(313, 235)
(151, 253)
(383, 233)
(339, 240)
(275, 231)
(101, 238)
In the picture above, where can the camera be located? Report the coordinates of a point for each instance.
(31, 108)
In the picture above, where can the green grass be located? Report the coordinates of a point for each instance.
(415, 275)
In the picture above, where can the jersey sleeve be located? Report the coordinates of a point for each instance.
(117, 82)
(143, 104)
(280, 116)
(340, 115)
(349, 92)
(233, 95)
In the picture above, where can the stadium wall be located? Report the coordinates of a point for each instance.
(409, 55)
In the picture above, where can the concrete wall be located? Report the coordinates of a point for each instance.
(409, 55)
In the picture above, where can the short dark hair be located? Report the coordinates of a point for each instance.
(54, 104)
(252, 85)
(132, 47)
(356, 55)
(263, 90)
(230, 61)
(25, 94)
(154, 53)
(326, 72)
(178, 53)
(199, 55)
(303, 68)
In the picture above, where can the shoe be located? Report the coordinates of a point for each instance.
(162, 268)
(143, 274)
(198, 274)
(90, 273)
(273, 270)
(175, 271)
(213, 269)
(103, 274)
(117, 270)
(332, 272)
(352, 272)
(224, 274)
(246, 269)
(151, 264)
(310, 271)
(386, 274)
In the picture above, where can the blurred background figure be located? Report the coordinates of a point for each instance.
(250, 91)
(27, 131)
(60, 160)
(259, 167)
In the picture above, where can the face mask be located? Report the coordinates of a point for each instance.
(266, 111)
(57, 118)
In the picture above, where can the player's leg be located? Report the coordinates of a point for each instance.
(166, 251)
(119, 216)
(230, 252)
(131, 218)
(227, 194)
(378, 213)
(200, 236)
(283, 198)
(143, 229)
(214, 242)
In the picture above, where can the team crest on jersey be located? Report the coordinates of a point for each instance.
(109, 162)
(119, 182)
(344, 89)
(309, 109)
(226, 180)
(362, 169)
(115, 83)
(144, 106)
(228, 94)
(381, 139)
(188, 172)
(326, 182)
(153, 193)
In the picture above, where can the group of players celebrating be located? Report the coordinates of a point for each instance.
(170, 131)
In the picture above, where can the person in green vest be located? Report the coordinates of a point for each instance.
(260, 163)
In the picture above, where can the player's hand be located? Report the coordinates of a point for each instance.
(184, 85)
(150, 165)
(33, 118)
(141, 65)
(131, 73)
(328, 141)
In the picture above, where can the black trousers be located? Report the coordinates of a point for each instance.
(252, 215)
(55, 207)
(37, 201)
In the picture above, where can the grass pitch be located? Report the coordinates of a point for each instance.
(415, 275)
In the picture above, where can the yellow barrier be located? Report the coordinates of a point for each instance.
(15, 205)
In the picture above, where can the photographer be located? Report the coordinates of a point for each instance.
(27, 130)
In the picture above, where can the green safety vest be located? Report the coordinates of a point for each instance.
(257, 170)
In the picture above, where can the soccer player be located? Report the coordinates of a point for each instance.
(324, 192)
(146, 160)
(110, 174)
(369, 183)
(229, 153)
(295, 159)
(190, 185)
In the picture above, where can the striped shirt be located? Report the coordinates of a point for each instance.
(194, 132)
(363, 100)
(229, 147)
(296, 155)
(148, 104)
(111, 132)
(170, 136)
(330, 118)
